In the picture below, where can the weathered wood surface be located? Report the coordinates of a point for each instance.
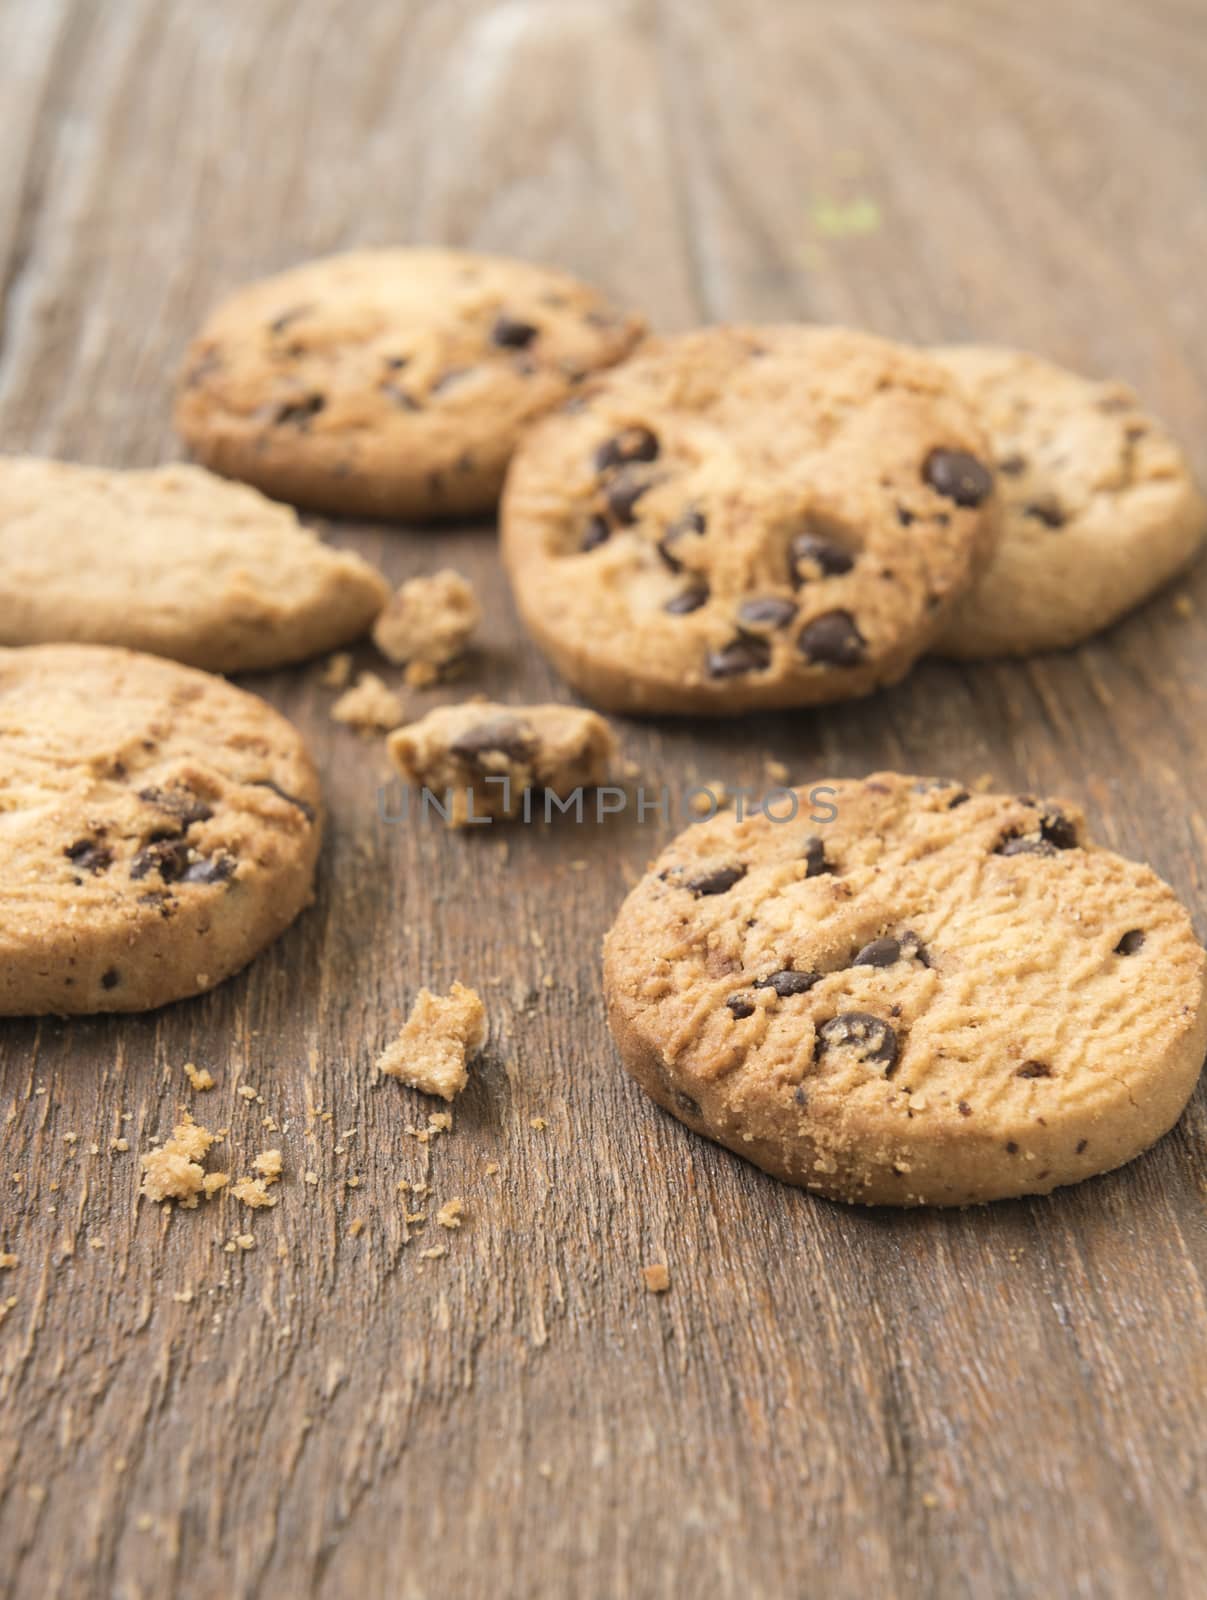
(1001, 1403)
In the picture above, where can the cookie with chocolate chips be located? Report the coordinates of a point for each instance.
(749, 517)
(158, 827)
(937, 998)
(390, 383)
(1099, 505)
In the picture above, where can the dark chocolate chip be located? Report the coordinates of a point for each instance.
(811, 555)
(1012, 466)
(1034, 1069)
(1081, 1144)
(1056, 832)
(110, 979)
(740, 1006)
(168, 857)
(717, 882)
(1131, 941)
(788, 982)
(299, 412)
(512, 334)
(905, 516)
(872, 1037)
(815, 858)
(180, 803)
(597, 532)
(766, 611)
(690, 523)
(90, 855)
(494, 736)
(832, 640)
(209, 869)
(623, 494)
(1011, 1148)
(1048, 511)
(958, 476)
(964, 1108)
(396, 363)
(303, 806)
(680, 605)
(743, 654)
(880, 953)
(633, 444)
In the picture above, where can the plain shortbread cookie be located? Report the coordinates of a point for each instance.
(390, 383)
(157, 828)
(935, 998)
(174, 561)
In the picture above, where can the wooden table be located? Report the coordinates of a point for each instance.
(1005, 1402)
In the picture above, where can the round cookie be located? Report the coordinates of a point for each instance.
(390, 383)
(1099, 505)
(925, 997)
(158, 827)
(748, 517)
(174, 561)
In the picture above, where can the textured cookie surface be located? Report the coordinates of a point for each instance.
(390, 382)
(157, 828)
(174, 561)
(746, 517)
(925, 997)
(1099, 505)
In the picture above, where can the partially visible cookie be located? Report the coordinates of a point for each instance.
(748, 517)
(485, 758)
(924, 997)
(1099, 505)
(158, 827)
(174, 561)
(390, 383)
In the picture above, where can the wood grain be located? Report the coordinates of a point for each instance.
(1003, 1403)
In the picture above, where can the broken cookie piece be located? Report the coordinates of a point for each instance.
(439, 1037)
(479, 760)
(369, 706)
(429, 620)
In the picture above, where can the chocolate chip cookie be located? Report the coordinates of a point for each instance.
(1099, 505)
(934, 998)
(158, 827)
(175, 561)
(748, 517)
(390, 383)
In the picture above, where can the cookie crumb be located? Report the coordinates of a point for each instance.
(356, 1227)
(538, 1123)
(182, 1297)
(199, 1077)
(440, 1035)
(657, 1278)
(428, 623)
(253, 1192)
(336, 670)
(310, 1177)
(434, 1252)
(370, 706)
(269, 1164)
(451, 1213)
(421, 675)
(8, 1261)
(1183, 606)
(174, 1171)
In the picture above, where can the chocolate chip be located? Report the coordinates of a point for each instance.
(741, 655)
(812, 557)
(958, 476)
(1131, 941)
(299, 412)
(633, 444)
(964, 1108)
(303, 806)
(815, 858)
(880, 953)
(209, 869)
(179, 802)
(623, 494)
(1081, 1144)
(1048, 511)
(680, 605)
(396, 363)
(905, 516)
(1056, 832)
(1011, 1148)
(690, 523)
(596, 532)
(873, 1038)
(110, 979)
(717, 882)
(788, 982)
(493, 736)
(512, 334)
(832, 640)
(740, 1006)
(90, 855)
(1034, 1069)
(766, 611)
(168, 857)
(1012, 466)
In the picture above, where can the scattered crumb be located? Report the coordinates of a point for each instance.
(538, 1123)
(776, 771)
(269, 1164)
(439, 1036)
(248, 1093)
(369, 707)
(428, 623)
(336, 670)
(245, 1241)
(930, 1500)
(8, 1261)
(121, 1145)
(434, 1252)
(174, 1171)
(310, 1177)
(491, 1168)
(214, 1181)
(451, 1213)
(253, 1192)
(1183, 607)
(96, 1244)
(200, 1077)
(356, 1227)
(657, 1278)
(441, 1122)
(183, 1296)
